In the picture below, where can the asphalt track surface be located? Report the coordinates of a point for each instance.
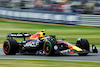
(94, 57)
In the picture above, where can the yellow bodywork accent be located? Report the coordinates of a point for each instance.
(43, 52)
(77, 48)
(41, 34)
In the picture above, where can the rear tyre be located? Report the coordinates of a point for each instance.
(83, 44)
(10, 47)
(49, 47)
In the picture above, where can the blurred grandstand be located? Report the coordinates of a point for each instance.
(17, 3)
(78, 6)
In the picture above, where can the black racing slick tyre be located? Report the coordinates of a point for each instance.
(83, 44)
(48, 47)
(10, 47)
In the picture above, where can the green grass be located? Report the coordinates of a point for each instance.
(71, 33)
(45, 63)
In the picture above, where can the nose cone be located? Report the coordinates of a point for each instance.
(77, 48)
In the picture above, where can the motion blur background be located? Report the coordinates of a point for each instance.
(73, 12)
(77, 6)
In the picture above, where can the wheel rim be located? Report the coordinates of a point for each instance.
(6, 47)
(47, 48)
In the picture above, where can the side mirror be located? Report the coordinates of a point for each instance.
(43, 30)
(63, 38)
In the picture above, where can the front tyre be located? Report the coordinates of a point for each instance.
(83, 44)
(10, 47)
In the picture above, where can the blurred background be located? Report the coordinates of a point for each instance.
(76, 6)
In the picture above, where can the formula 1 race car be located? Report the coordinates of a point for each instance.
(40, 44)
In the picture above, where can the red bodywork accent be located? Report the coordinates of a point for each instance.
(70, 47)
(71, 52)
(66, 53)
(29, 41)
(35, 36)
(58, 42)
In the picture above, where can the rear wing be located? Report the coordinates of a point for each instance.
(18, 35)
